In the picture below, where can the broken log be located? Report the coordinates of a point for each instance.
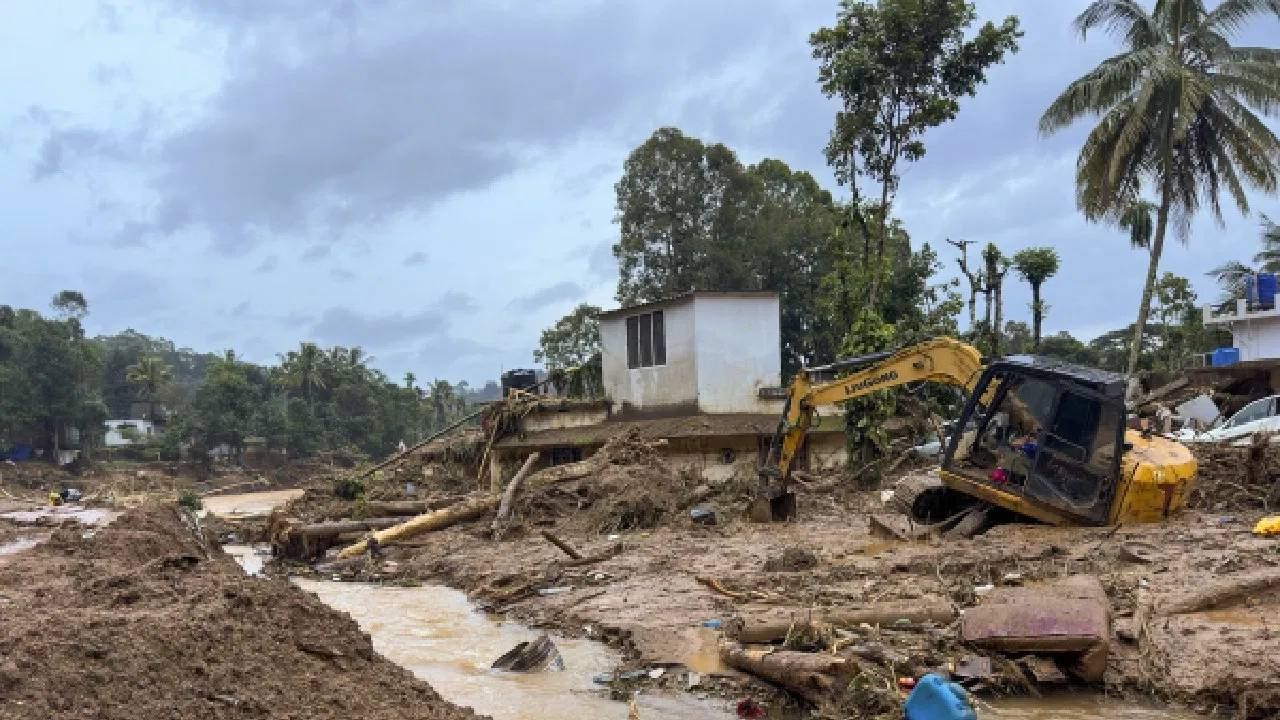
(435, 520)
(504, 507)
(715, 585)
(565, 547)
(808, 675)
(591, 559)
(758, 624)
(339, 527)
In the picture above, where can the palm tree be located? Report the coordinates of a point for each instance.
(442, 402)
(1035, 265)
(409, 380)
(1231, 275)
(151, 375)
(1136, 219)
(303, 370)
(1177, 109)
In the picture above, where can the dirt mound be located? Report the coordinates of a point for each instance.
(792, 559)
(146, 619)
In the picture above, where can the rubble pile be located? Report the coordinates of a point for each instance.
(1232, 476)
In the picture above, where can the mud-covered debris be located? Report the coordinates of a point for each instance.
(973, 667)
(531, 656)
(1043, 670)
(792, 559)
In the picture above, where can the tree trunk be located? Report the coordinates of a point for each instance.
(809, 675)
(508, 498)
(1144, 308)
(437, 520)
(995, 329)
(759, 624)
(1037, 315)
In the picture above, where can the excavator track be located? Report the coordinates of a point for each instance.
(923, 498)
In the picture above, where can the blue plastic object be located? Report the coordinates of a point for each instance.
(1266, 290)
(934, 698)
(1224, 356)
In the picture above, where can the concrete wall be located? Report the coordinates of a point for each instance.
(559, 419)
(737, 340)
(669, 386)
(1257, 338)
(115, 438)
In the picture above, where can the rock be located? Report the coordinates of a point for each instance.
(792, 559)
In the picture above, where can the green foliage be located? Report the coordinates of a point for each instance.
(1231, 275)
(48, 374)
(899, 68)
(1179, 109)
(124, 350)
(692, 217)
(1017, 338)
(190, 501)
(70, 304)
(570, 350)
(1036, 265)
(349, 487)
(865, 416)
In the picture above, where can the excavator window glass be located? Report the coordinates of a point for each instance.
(1075, 463)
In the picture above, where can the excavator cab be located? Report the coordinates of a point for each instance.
(1041, 438)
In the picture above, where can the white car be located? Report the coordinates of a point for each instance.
(1258, 416)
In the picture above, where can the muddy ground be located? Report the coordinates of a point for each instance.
(147, 618)
(652, 600)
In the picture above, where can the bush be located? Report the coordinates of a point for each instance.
(190, 500)
(349, 487)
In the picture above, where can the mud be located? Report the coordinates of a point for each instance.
(649, 603)
(146, 618)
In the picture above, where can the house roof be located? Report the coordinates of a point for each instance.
(681, 299)
(678, 427)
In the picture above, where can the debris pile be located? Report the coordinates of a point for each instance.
(1235, 477)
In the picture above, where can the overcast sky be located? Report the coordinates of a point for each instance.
(434, 180)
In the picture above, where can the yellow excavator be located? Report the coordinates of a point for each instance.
(1037, 437)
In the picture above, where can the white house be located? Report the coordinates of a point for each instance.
(704, 352)
(116, 429)
(1255, 332)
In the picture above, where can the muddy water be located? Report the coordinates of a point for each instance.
(84, 516)
(13, 547)
(1078, 707)
(437, 634)
(243, 505)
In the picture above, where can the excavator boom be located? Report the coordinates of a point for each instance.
(940, 360)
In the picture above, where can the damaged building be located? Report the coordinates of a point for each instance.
(702, 371)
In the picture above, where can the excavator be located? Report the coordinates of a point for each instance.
(1036, 438)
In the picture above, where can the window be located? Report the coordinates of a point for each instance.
(646, 340)
(1256, 410)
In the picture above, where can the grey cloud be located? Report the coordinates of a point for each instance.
(403, 104)
(241, 309)
(62, 144)
(268, 264)
(456, 301)
(548, 295)
(315, 252)
(343, 326)
(341, 274)
(415, 259)
(109, 74)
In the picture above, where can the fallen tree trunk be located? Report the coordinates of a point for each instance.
(809, 675)
(436, 520)
(339, 527)
(1222, 592)
(473, 508)
(770, 624)
(504, 507)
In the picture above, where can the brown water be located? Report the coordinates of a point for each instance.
(82, 515)
(242, 505)
(436, 633)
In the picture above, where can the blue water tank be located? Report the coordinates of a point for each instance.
(1224, 356)
(1266, 290)
(934, 698)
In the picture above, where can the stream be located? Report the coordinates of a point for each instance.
(436, 633)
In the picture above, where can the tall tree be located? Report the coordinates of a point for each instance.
(681, 218)
(149, 375)
(899, 68)
(570, 350)
(1036, 265)
(1179, 108)
(975, 279)
(997, 266)
(70, 304)
(442, 401)
(303, 370)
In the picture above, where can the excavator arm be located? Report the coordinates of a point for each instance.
(941, 360)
